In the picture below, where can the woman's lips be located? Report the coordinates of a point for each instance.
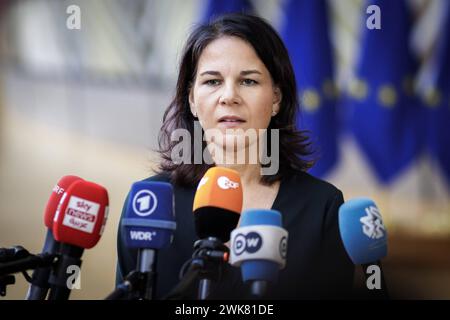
(231, 122)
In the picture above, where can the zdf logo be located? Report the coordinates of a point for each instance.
(225, 183)
(251, 243)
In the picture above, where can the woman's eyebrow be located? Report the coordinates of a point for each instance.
(247, 72)
(213, 73)
(243, 73)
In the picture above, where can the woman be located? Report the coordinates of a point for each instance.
(235, 73)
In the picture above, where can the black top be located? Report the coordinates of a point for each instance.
(317, 265)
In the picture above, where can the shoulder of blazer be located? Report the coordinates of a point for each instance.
(312, 184)
(161, 177)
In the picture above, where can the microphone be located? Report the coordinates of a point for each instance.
(78, 224)
(365, 240)
(259, 247)
(39, 282)
(217, 207)
(149, 224)
(218, 203)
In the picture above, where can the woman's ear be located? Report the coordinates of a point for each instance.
(191, 102)
(277, 100)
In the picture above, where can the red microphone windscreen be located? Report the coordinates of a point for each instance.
(81, 215)
(57, 192)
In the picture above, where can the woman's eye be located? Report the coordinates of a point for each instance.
(249, 82)
(212, 82)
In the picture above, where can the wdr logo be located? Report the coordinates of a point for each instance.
(372, 224)
(144, 203)
(251, 243)
(142, 236)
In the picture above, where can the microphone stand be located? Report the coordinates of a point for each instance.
(39, 285)
(12, 254)
(4, 282)
(138, 284)
(129, 286)
(209, 255)
(69, 256)
(20, 261)
(30, 262)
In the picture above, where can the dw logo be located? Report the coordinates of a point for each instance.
(144, 203)
(283, 247)
(251, 243)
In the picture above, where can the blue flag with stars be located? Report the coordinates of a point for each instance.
(306, 35)
(383, 111)
(217, 7)
(437, 102)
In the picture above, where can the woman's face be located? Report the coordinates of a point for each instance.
(233, 89)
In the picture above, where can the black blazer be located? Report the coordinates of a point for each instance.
(317, 265)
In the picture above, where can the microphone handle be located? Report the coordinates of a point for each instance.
(39, 282)
(146, 266)
(381, 293)
(30, 262)
(123, 290)
(70, 256)
(258, 288)
(120, 292)
(204, 288)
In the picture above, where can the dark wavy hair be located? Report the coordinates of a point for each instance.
(295, 146)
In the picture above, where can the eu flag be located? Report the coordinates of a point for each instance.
(382, 108)
(437, 102)
(306, 35)
(218, 7)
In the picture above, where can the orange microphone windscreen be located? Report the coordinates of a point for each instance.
(218, 203)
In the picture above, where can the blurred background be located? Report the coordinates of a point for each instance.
(84, 84)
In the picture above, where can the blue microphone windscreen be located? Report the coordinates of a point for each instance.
(253, 217)
(260, 269)
(362, 231)
(149, 218)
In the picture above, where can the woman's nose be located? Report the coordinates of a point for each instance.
(230, 95)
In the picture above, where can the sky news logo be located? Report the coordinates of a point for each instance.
(81, 214)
